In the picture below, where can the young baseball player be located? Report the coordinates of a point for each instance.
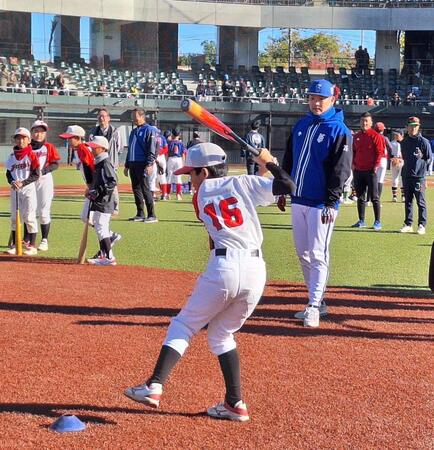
(102, 200)
(48, 162)
(227, 292)
(75, 135)
(175, 161)
(22, 170)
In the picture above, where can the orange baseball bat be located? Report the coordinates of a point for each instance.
(204, 117)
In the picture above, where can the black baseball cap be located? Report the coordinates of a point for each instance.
(176, 132)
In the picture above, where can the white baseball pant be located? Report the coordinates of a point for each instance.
(381, 172)
(312, 240)
(162, 178)
(85, 212)
(396, 175)
(152, 179)
(101, 223)
(224, 296)
(44, 195)
(27, 203)
(174, 163)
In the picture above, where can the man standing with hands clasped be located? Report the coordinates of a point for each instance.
(417, 155)
(139, 163)
(318, 158)
(368, 149)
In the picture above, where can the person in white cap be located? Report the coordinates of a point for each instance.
(22, 170)
(233, 282)
(75, 135)
(102, 200)
(48, 162)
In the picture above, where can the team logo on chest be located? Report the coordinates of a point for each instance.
(300, 133)
(320, 138)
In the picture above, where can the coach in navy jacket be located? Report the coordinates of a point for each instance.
(318, 158)
(143, 150)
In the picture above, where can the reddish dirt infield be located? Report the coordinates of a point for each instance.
(73, 337)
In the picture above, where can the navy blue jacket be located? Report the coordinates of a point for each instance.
(142, 145)
(318, 158)
(417, 155)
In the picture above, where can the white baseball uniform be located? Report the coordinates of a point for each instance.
(46, 154)
(227, 292)
(20, 170)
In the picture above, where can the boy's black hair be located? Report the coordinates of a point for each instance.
(217, 171)
(365, 114)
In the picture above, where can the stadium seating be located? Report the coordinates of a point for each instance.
(217, 83)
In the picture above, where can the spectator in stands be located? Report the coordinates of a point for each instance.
(60, 83)
(26, 78)
(4, 78)
(13, 79)
(396, 99)
(104, 128)
(366, 59)
(358, 55)
(411, 98)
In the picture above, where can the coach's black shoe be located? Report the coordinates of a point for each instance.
(136, 219)
(150, 219)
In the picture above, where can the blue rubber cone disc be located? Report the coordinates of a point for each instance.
(67, 423)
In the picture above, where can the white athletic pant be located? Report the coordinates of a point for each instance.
(84, 212)
(152, 179)
(44, 195)
(162, 178)
(101, 223)
(27, 203)
(225, 295)
(312, 240)
(396, 175)
(381, 172)
(173, 163)
(347, 184)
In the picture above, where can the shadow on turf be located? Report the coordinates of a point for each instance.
(51, 410)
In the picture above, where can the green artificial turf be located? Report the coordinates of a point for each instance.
(358, 257)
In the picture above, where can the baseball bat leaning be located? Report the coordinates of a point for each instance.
(431, 269)
(18, 234)
(204, 117)
(83, 243)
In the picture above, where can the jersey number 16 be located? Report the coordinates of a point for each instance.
(230, 214)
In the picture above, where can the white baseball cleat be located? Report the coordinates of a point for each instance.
(43, 246)
(102, 261)
(421, 229)
(148, 395)
(311, 318)
(322, 311)
(222, 410)
(30, 251)
(12, 250)
(406, 229)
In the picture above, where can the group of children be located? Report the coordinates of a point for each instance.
(29, 172)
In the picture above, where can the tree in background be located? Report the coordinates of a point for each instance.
(210, 52)
(319, 46)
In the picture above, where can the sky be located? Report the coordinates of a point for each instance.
(190, 36)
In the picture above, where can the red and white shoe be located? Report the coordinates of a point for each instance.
(148, 395)
(30, 251)
(222, 410)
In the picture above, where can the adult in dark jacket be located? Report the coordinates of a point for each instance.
(256, 140)
(100, 194)
(139, 164)
(417, 155)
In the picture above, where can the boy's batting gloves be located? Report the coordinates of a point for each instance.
(281, 203)
(327, 215)
(92, 195)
